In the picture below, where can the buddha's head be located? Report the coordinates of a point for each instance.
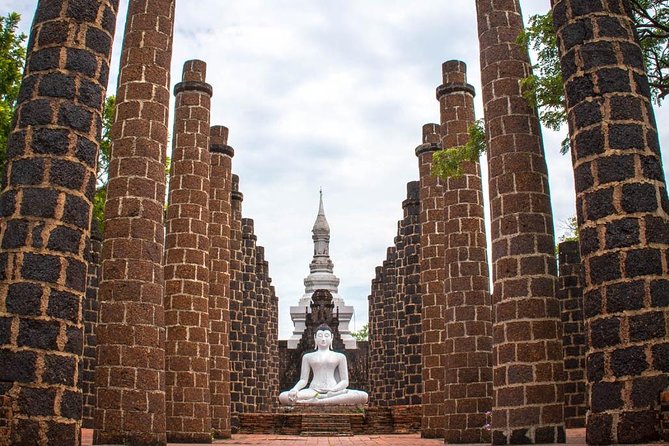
(323, 337)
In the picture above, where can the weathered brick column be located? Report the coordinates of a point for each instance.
(621, 202)
(388, 326)
(220, 208)
(187, 263)
(131, 358)
(574, 345)
(411, 326)
(262, 320)
(236, 309)
(45, 218)
(375, 310)
(527, 347)
(399, 395)
(273, 340)
(432, 277)
(90, 314)
(468, 309)
(249, 354)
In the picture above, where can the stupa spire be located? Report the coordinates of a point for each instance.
(321, 237)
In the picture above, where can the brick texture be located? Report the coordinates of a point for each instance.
(220, 208)
(236, 308)
(187, 263)
(91, 313)
(527, 349)
(432, 281)
(621, 202)
(250, 307)
(570, 293)
(45, 216)
(131, 357)
(375, 311)
(468, 308)
(6, 416)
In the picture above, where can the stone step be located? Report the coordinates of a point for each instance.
(326, 425)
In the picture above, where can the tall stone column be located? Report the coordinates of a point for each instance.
(45, 218)
(187, 263)
(527, 348)
(90, 314)
(249, 376)
(411, 325)
(130, 374)
(468, 309)
(262, 319)
(236, 308)
(388, 326)
(621, 201)
(574, 345)
(432, 279)
(220, 208)
(375, 310)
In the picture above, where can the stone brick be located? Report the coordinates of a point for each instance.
(143, 282)
(510, 142)
(624, 323)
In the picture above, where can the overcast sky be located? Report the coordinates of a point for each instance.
(332, 94)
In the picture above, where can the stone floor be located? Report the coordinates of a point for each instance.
(574, 437)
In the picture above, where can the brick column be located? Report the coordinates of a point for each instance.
(236, 309)
(375, 310)
(131, 358)
(468, 310)
(527, 351)
(621, 202)
(388, 326)
(273, 339)
(574, 346)
(187, 263)
(90, 313)
(410, 350)
(262, 346)
(220, 207)
(45, 218)
(432, 276)
(399, 395)
(249, 356)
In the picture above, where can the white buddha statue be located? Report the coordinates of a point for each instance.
(330, 381)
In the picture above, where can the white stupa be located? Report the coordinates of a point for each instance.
(321, 278)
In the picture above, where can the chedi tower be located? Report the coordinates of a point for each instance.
(321, 278)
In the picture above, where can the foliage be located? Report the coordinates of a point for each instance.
(108, 114)
(545, 89)
(447, 163)
(12, 59)
(362, 334)
(571, 230)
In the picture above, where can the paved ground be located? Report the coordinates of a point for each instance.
(574, 437)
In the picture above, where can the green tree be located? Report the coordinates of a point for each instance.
(362, 334)
(108, 114)
(545, 88)
(12, 60)
(448, 162)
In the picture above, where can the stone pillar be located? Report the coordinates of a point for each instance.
(273, 339)
(220, 208)
(131, 358)
(45, 217)
(388, 325)
(468, 309)
(236, 309)
(399, 395)
(90, 314)
(621, 202)
(250, 391)
(574, 346)
(262, 319)
(375, 301)
(432, 277)
(527, 350)
(410, 344)
(187, 263)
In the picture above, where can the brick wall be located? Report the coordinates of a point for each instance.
(574, 346)
(527, 344)
(621, 202)
(187, 263)
(45, 217)
(220, 207)
(468, 307)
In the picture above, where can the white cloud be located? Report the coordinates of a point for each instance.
(333, 94)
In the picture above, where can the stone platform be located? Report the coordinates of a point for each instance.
(333, 421)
